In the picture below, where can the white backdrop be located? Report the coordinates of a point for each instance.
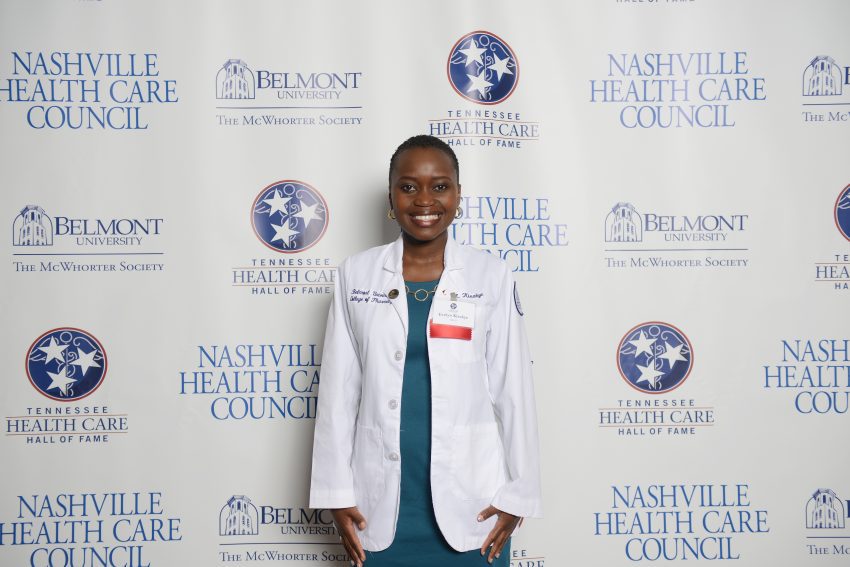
(162, 354)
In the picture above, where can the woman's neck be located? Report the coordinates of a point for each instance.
(423, 261)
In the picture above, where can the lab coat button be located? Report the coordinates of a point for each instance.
(393, 404)
(399, 355)
(393, 456)
(393, 294)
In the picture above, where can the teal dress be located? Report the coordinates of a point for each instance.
(418, 541)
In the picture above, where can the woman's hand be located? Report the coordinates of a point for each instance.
(505, 525)
(346, 519)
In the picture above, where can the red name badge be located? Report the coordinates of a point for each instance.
(438, 331)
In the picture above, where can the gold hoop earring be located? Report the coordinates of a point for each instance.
(458, 213)
(390, 214)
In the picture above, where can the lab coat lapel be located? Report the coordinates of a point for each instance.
(452, 278)
(394, 279)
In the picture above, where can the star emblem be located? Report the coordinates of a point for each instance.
(60, 380)
(308, 213)
(53, 350)
(472, 52)
(648, 374)
(478, 83)
(673, 354)
(643, 344)
(501, 66)
(277, 203)
(85, 360)
(283, 233)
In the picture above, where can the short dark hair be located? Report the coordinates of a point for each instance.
(424, 141)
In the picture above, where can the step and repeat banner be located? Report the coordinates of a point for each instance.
(669, 181)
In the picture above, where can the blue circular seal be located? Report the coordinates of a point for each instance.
(655, 357)
(289, 216)
(66, 364)
(842, 212)
(482, 68)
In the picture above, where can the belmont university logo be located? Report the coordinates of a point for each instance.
(238, 517)
(483, 68)
(654, 357)
(289, 216)
(826, 85)
(825, 511)
(826, 517)
(623, 224)
(66, 364)
(32, 227)
(235, 80)
(823, 77)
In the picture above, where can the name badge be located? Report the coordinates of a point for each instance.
(452, 319)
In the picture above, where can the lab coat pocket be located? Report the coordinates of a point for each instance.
(367, 465)
(478, 461)
(458, 351)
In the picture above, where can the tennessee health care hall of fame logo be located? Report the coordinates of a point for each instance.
(289, 216)
(66, 364)
(482, 68)
(842, 212)
(654, 357)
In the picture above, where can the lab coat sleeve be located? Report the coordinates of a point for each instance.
(332, 484)
(512, 392)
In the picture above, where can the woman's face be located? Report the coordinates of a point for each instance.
(424, 193)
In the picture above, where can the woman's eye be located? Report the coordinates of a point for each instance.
(407, 187)
(441, 187)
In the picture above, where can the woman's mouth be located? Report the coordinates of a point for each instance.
(425, 221)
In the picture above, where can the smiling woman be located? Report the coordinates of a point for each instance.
(425, 444)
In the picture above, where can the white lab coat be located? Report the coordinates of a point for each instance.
(484, 446)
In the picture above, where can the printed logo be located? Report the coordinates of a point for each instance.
(32, 227)
(836, 270)
(700, 521)
(816, 371)
(827, 513)
(677, 90)
(80, 244)
(623, 224)
(235, 81)
(263, 97)
(483, 68)
(285, 534)
(238, 517)
(825, 510)
(74, 90)
(66, 364)
(825, 89)
(255, 381)
(842, 212)
(662, 240)
(517, 229)
(289, 216)
(112, 528)
(822, 77)
(654, 357)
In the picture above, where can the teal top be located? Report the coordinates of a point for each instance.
(418, 541)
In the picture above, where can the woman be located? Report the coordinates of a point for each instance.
(426, 437)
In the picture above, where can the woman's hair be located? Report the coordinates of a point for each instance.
(424, 141)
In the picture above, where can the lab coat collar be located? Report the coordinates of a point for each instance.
(451, 260)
